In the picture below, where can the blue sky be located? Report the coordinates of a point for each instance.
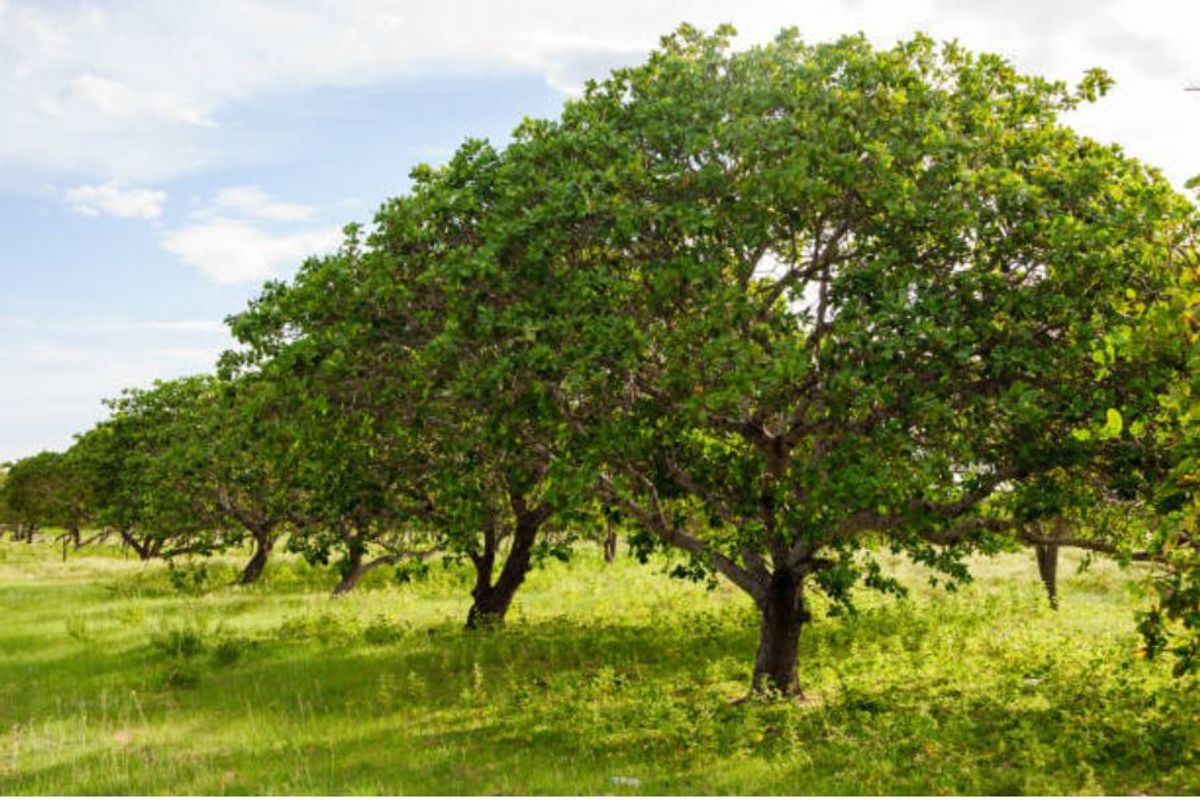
(158, 160)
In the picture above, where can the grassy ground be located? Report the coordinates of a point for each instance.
(608, 679)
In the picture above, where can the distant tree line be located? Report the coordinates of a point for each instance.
(774, 311)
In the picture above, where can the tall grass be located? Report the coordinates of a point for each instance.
(118, 677)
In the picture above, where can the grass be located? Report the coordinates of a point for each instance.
(117, 677)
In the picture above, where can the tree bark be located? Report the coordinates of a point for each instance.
(783, 614)
(145, 551)
(263, 544)
(354, 568)
(358, 570)
(610, 544)
(492, 600)
(1047, 560)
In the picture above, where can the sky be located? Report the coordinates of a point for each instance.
(160, 160)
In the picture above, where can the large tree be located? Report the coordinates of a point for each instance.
(800, 300)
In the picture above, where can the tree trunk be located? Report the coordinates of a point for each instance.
(610, 544)
(354, 570)
(783, 615)
(491, 601)
(76, 539)
(144, 552)
(263, 543)
(1047, 560)
(351, 579)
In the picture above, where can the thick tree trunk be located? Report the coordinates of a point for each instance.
(263, 543)
(76, 539)
(490, 605)
(491, 600)
(1047, 560)
(610, 544)
(783, 615)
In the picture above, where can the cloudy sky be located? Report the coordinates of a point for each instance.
(158, 160)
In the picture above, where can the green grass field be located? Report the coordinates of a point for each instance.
(607, 679)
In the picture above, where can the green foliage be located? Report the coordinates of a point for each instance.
(191, 579)
(182, 642)
(1163, 332)
(382, 631)
(48, 489)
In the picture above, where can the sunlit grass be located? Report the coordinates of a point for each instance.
(607, 679)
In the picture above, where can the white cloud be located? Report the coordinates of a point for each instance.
(254, 202)
(116, 200)
(126, 90)
(116, 99)
(229, 251)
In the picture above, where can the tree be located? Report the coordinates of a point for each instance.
(143, 469)
(445, 441)
(7, 516)
(214, 463)
(48, 490)
(802, 300)
(1167, 331)
(248, 460)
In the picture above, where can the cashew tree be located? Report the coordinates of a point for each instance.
(143, 475)
(418, 441)
(195, 464)
(47, 490)
(801, 302)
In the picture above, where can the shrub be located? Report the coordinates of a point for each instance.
(382, 631)
(230, 650)
(326, 627)
(184, 642)
(191, 579)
